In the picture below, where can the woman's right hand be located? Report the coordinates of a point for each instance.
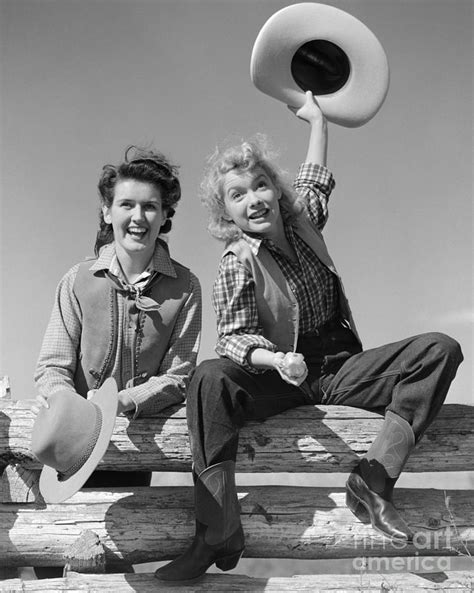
(285, 366)
(41, 401)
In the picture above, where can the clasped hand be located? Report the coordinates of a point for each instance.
(286, 367)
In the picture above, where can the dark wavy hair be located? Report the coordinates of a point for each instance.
(144, 165)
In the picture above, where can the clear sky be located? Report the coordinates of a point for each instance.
(82, 79)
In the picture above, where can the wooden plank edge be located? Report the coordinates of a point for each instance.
(146, 583)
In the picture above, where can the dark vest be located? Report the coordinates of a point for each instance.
(276, 304)
(98, 298)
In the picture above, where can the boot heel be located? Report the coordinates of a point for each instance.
(357, 508)
(229, 562)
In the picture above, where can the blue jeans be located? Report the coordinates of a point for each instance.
(410, 377)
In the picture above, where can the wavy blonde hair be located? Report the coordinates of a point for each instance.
(242, 157)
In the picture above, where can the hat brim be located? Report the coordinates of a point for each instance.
(288, 29)
(54, 490)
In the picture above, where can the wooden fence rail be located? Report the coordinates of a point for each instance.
(101, 530)
(153, 524)
(307, 439)
(449, 581)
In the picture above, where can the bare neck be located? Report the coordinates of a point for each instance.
(133, 265)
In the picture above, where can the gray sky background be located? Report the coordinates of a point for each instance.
(80, 80)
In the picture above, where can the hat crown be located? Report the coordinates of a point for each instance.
(320, 66)
(65, 433)
(71, 437)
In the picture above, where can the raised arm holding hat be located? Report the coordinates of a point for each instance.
(286, 338)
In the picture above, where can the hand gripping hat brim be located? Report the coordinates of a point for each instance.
(323, 49)
(56, 488)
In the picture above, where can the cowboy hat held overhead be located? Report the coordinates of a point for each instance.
(322, 49)
(71, 437)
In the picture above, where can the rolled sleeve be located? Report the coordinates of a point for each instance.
(314, 184)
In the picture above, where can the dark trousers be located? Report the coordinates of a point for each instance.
(410, 377)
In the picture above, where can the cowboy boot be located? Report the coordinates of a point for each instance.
(219, 536)
(370, 485)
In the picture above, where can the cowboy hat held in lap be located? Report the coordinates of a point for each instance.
(320, 48)
(71, 437)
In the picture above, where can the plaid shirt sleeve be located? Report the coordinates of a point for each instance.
(170, 385)
(234, 302)
(58, 355)
(314, 184)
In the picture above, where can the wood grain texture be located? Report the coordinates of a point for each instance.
(157, 523)
(458, 581)
(305, 439)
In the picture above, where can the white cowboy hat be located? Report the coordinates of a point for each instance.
(71, 437)
(325, 50)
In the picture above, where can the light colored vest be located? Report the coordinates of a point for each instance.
(97, 296)
(276, 304)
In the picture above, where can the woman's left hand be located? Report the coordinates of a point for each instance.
(125, 403)
(285, 365)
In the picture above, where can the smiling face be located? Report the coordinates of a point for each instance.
(136, 216)
(252, 201)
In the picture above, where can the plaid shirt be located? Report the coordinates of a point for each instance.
(58, 356)
(313, 285)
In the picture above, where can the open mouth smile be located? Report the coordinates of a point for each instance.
(259, 213)
(137, 232)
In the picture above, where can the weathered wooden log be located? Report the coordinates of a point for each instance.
(153, 524)
(86, 554)
(305, 439)
(461, 581)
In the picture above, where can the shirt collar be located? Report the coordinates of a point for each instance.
(160, 262)
(256, 242)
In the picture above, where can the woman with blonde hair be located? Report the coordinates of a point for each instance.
(286, 337)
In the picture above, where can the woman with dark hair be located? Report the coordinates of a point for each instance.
(145, 166)
(131, 313)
